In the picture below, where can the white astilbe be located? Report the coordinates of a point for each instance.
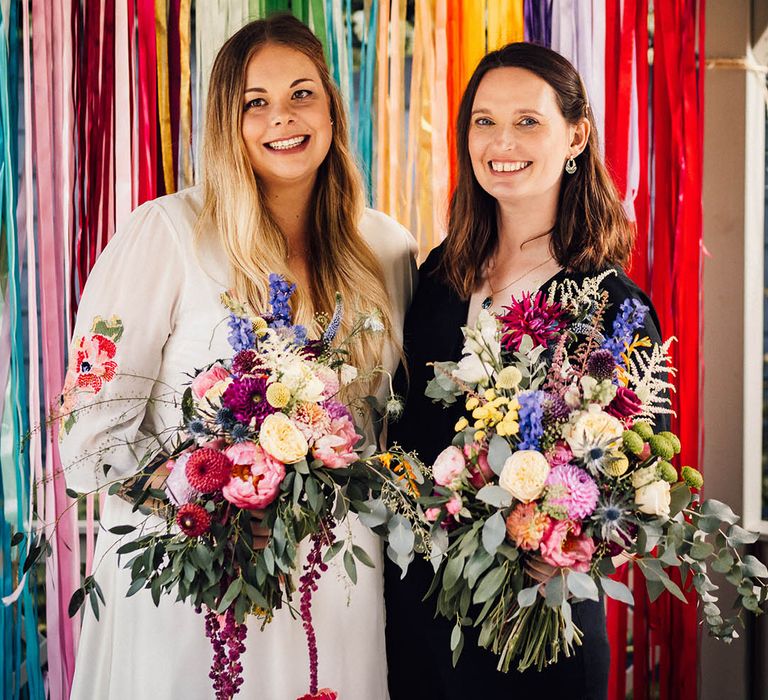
(570, 293)
(647, 373)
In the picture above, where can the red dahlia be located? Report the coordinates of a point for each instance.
(322, 694)
(193, 520)
(208, 470)
(531, 316)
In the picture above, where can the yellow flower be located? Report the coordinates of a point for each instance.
(508, 378)
(278, 395)
(508, 426)
(616, 465)
(479, 424)
(282, 439)
(461, 424)
(481, 412)
(472, 403)
(479, 436)
(259, 326)
(490, 394)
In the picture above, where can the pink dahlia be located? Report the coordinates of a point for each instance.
(193, 520)
(312, 419)
(526, 525)
(208, 470)
(531, 316)
(564, 545)
(246, 398)
(571, 488)
(560, 453)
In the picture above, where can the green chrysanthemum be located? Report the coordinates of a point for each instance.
(673, 439)
(643, 430)
(661, 447)
(632, 442)
(692, 477)
(667, 471)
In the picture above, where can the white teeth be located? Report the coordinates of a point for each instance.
(509, 167)
(287, 143)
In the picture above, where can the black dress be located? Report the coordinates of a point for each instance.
(418, 648)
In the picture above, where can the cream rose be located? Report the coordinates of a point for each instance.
(524, 475)
(643, 477)
(654, 499)
(282, 439)
(213, 395)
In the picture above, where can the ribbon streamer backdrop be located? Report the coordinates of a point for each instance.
(114, 93)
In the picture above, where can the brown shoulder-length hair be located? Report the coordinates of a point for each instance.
(591, 230)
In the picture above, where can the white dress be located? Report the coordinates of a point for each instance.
(149, 314)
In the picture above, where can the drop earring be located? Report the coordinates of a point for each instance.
(570, 165)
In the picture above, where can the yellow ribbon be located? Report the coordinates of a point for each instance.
(505, 22)
(186, 176)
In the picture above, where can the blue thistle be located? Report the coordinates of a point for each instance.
(239, 432)
(225, 418)
(196, 428)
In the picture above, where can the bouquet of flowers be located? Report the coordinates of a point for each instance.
(560, 460)
(265, 431)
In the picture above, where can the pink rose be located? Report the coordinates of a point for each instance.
(448, 466)
(625, 404)
(454, 505)
(336, 450)
(559, 455)
(432, 514)
(563, 545)
(255, 485)
(480, 472)
(205, 380)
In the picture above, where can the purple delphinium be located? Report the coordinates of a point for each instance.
(246, 398)
(631, 317)
(530, 419)
(241, 336)
(280, 292)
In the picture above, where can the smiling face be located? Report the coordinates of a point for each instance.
(518, 139)
(286, 123)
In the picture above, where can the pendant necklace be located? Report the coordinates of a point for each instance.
(488, 301)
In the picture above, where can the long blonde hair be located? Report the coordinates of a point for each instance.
(234, 204)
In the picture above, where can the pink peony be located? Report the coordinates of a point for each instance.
(480, 472)
(571, 488)
(256, 477)
(448, 466)
(563, 545)
(336, 450)
(205, 380)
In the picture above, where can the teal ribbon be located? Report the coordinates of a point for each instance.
(365, 101)
(25, 611)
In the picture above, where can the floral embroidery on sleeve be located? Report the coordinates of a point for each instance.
(91, 365)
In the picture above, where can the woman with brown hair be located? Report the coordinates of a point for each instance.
(279, 194)
(533, 205)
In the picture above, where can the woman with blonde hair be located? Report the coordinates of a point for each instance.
(279, 194)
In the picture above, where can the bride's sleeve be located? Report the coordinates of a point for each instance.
(125, 317)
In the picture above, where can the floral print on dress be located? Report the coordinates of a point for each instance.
(91, 365)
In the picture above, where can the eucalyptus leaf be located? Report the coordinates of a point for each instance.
(350, 566)
(701, 550)
(719, 510)
(490, 585)
(569, 630)
(498, 453)
(554, 591)
(456, 636)
(377, 514)
(527, 596)
(494, 532)
(738, 535)
(617, 590)
(401, 537)
(680, 498)
(582, 586)
(495, 496)
(655, 588)
(362, 556)
(452, 571)
(333, 550)
(754, 567)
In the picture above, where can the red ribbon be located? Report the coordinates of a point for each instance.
(147, 112)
